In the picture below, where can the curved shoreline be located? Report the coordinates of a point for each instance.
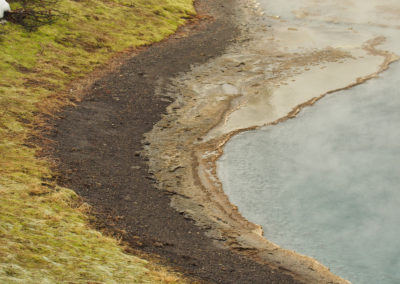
(98, 145)
(193, 178)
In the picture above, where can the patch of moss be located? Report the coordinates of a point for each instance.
(44, 238)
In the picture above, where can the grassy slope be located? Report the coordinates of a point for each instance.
(44, 237)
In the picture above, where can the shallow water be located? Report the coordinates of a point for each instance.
(326, 184)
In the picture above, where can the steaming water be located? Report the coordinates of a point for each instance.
(326, 184)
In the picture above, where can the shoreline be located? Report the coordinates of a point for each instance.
(193, 179)
(98, 144)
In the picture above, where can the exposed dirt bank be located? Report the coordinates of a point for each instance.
(98, 144)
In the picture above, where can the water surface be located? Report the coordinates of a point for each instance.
(326, 184)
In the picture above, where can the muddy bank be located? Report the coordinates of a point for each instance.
(98, 146)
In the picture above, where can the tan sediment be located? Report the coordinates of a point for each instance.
(185, 144)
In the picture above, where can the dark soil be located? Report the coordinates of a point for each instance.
(97, 145)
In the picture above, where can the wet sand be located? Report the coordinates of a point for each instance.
(275, 70)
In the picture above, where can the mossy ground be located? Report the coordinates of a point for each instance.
(44, 234)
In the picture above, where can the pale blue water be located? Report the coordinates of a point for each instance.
(327, 183)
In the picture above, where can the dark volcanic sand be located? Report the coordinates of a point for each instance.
(97, 143)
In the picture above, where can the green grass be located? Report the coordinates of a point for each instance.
(44, 235)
